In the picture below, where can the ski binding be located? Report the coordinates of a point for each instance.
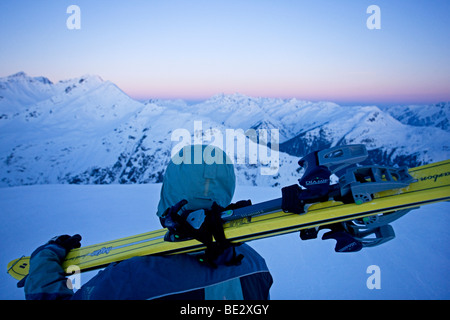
(362, 182)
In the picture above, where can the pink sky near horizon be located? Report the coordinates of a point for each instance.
(309, 50)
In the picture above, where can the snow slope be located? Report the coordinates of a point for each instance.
(415, 265)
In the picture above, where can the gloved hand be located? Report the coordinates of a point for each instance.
(67, 242)
(172, 220)
(171, 217)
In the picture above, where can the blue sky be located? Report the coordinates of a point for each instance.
(315, 49)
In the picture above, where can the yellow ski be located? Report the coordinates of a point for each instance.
(432, 184)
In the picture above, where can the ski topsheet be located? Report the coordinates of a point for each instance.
(432, 184)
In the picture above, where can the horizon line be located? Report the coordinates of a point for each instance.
(364, 101)
(339, 101)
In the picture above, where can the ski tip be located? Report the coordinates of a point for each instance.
(19, 268)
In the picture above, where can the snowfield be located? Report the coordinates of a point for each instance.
(415, 265)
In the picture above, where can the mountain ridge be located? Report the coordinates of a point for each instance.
(87, 130)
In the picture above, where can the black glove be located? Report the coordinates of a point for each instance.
(171, 216)
(172, 212)
(67, 242)
(203, 225)
(172, 221)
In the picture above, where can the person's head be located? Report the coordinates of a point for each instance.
(201, 175)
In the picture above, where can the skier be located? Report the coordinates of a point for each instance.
(192, 196)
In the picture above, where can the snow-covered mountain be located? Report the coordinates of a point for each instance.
(388, 141)
(437, 115)
(86, 130)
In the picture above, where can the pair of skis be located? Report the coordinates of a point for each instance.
(357, 210)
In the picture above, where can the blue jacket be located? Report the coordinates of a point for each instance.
(152, 277)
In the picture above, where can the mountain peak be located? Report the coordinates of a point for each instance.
(19, 74)
(91, 77)
(22, 76)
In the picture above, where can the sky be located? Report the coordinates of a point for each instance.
(312, 50)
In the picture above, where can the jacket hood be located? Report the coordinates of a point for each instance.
(201, 175)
